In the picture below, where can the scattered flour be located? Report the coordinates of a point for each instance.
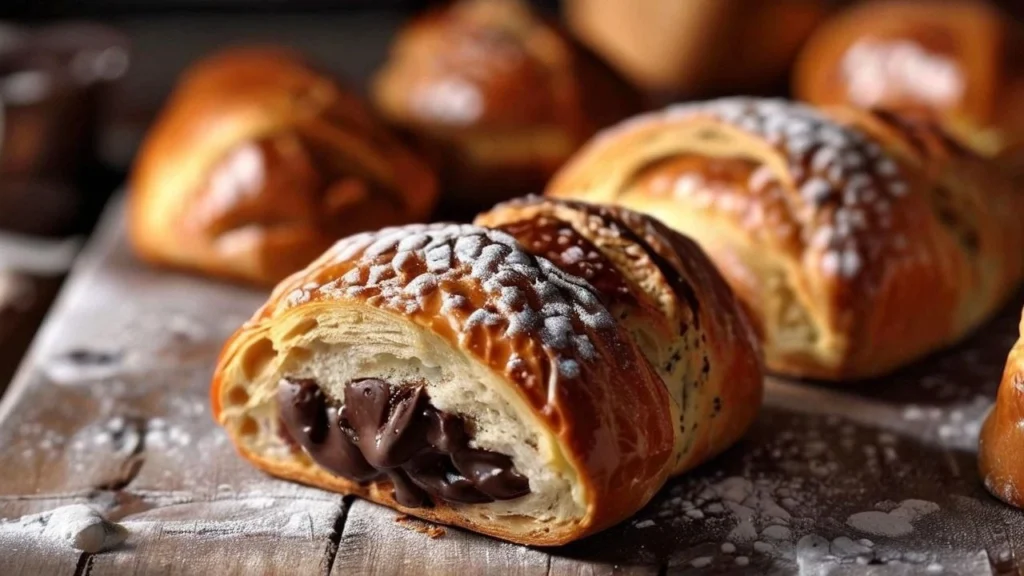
(77, 526)
(701, 562)
(955, 427)
(844, 546)
(897, 522)
(763, 547)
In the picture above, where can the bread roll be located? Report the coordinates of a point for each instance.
(259, 163)
(858, 241)
(961, 60)
(500, 95)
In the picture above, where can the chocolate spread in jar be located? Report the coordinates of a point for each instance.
(394, 431)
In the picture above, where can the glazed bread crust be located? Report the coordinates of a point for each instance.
(858, 241)
(546, 367)
(258, 163)
(960, 59)
(1002, 435)
(499, 94)
(596, 412)
(672, 301)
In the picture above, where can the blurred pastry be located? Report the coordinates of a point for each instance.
(858, 241)
(697, 47)
(963, 60)
(1002, 435)
(501, 95)
(258, 163)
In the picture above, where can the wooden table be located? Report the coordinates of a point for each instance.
(110, 408)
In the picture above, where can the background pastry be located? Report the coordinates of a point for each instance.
(697, 47)
(518, 404)
(258, 163)
(962, 59)
(1002, 435)
(499, 94)
(858, 241)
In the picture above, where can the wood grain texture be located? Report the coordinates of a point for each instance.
(110, 408)
(410, 551)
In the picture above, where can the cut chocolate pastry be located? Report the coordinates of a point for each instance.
(455, 373)
(961, 60)
(1002, 436)
(259, 163)
(858, 241)
(499, 94)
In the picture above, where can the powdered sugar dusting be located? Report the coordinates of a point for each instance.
(897, 522)
(845, 183)
(402, 267)
(75, 526)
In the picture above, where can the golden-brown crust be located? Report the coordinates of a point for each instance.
(498, 93)
(668, 270)
(543, 332)
(258, 163)
(891, 239)
(1002, 436)
(960, 59)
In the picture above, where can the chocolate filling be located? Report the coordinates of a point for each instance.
(394, 431)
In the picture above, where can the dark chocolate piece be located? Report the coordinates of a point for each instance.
(395, 431)
(315, 426)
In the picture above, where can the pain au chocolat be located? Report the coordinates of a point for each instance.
(858, 241)
(962, 60)
(500, 95)
(456, 373)
(259, 163)
(1002, 435)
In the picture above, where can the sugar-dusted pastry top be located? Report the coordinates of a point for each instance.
(476, 285)
(842, 216)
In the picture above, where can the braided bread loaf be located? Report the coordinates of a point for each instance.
(857, 240)
(458, 374)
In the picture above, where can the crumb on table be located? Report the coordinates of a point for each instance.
(432, 531)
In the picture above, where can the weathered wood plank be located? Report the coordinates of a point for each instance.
(560, 566)
(234, 536)
(374, 543)
(111, 409)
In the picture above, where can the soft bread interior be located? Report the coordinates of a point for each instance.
(340, 342)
